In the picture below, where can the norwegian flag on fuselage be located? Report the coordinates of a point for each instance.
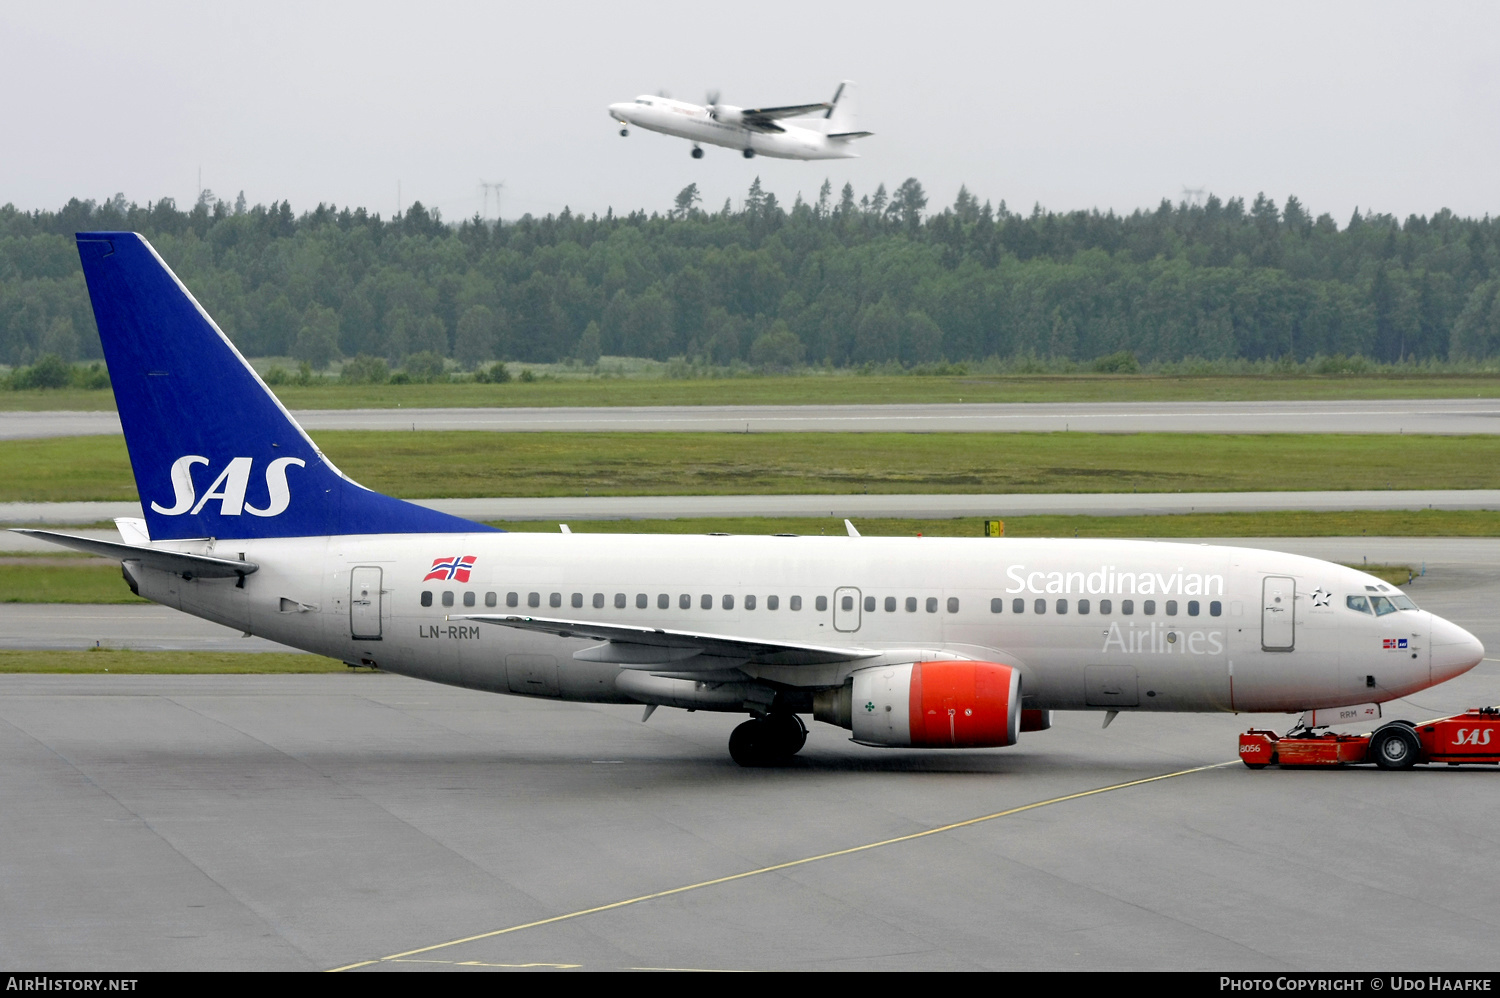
(452, 569)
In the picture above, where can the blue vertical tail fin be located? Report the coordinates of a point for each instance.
(215, 454)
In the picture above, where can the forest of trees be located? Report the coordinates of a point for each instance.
(842, 280)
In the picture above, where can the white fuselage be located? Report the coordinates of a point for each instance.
(697, 124)
(1187, 627)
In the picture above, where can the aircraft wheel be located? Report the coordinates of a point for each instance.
(1394, 746)
(790, 733)
(749, 153)
(767, 741)
(624, 132)
(697, 153)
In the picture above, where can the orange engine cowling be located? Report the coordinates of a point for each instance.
(937, 705)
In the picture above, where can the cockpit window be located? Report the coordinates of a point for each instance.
(1357, 603)
(1382, 605)
(1403, 602)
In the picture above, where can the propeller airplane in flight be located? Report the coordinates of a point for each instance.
(824, 130)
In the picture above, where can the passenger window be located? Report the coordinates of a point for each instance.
(1018, 605)
(598, 601)
(1357, 603)
(749, 602)
(512, 599)
(727, 602)
(952, 604)
(533, 599)
(773, 602)
(847, 603)
(555, 600)
(820, 604)
(427, 597)
(619, 601)
(685, 601)
(1106, 606)
(1382, 605)
(663, 601)
(1062, 606)
(1171, 608)
(448, 598)
(1083, 606)
(1149, 608)
(641, 601)
(997, 604)
(577, 601)
(890, 604)
(932, 604)
(468, 599)
(796, 603)
(1215, 608)
(1040, 606)
(1127, 606)
(1192, 608)
(490, 599)
(869, 604)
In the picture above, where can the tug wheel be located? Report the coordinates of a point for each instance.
(1395, 746)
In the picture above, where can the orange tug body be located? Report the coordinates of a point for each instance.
(1471, 737)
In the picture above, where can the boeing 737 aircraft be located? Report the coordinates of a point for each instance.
(909, 642)
(826, 130)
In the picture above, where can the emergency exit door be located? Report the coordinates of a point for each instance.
(846, 609)
(364, 603)
(1278, 613)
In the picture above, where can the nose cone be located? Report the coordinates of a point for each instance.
(1454, 650)
(617, 111)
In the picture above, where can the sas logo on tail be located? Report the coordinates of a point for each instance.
(229, 488)
(454, 569)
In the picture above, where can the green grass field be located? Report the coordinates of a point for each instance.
(469, 464)
(45, 581)
(840, 388)
(166, 662)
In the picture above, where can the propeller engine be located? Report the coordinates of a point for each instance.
(727, 114)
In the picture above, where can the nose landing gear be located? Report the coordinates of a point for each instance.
(624, 132)
(697, 153)
(749, 153)
(768, 741)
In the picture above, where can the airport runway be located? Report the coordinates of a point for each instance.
(315, 822)
(1434, 416)
(566, 508)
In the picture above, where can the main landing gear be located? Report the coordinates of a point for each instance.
(697, 153)
(768, 741)
(749, 153)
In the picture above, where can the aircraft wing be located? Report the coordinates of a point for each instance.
(685, 650)
(790, 111)
(763, 119)
(178, 562)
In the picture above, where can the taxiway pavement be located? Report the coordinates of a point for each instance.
(1434, 416)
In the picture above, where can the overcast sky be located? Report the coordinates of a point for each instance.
(1393, 107)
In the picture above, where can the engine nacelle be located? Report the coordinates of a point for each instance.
(726, 114)
(943, 704)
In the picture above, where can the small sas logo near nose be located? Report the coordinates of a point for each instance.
(229, 487)
(1393, 644)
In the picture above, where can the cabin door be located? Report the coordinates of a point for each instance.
(846, 609)
(364, 603)
(1278, 613)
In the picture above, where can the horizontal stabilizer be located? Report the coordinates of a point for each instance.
(198, 566)
(693, 648)
(849, 135)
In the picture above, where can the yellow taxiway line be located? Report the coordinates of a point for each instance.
(406, 956)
